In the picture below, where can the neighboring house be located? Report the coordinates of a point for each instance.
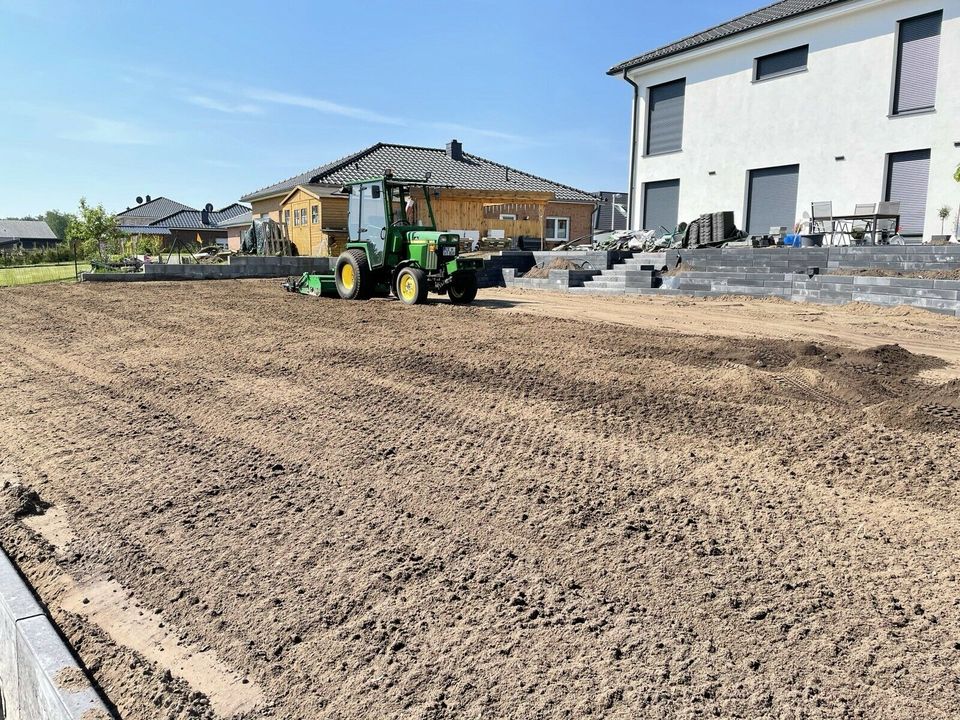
(147, 212)
(851, 101)
(235, 227)
(200, 227)
(26, 235)
(611, 213)
(477, 196)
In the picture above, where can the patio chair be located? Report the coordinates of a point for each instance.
(865, 225)
(887, 227)
(822, 221)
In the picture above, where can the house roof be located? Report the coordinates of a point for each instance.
(612, 211)
(157, 208)
(26, 230)
(237, 220)
(407, 161)
(144, 230)
(193, 219)
(777, 12)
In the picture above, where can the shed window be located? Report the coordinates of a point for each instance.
(665, 117)
(558, 228)
(918, 59)
(908, 177)
(315, 214)
(780, 63)
(286, 216)
(772, 199)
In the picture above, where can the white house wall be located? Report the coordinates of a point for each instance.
(839, 106)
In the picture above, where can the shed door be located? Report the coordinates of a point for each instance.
(908, 175)
(661, 204)
(772, 199)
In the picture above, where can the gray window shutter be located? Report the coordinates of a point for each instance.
(918, 56)
(661, 204)
(782, 63)
(908, 176)
(665, 117)
(772, 199)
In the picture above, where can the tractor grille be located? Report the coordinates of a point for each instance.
(430, 261)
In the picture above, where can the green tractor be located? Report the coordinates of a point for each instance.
(392, 250)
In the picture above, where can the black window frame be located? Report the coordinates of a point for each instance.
(895, 111)
(757, 77)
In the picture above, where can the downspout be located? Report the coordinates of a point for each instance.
(631, 190)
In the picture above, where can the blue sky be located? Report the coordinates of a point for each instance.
(205, 101)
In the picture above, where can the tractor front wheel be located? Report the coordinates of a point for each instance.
(353, 275)
(463, 288)
(412, 286)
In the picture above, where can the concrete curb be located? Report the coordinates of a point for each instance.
(39, 677)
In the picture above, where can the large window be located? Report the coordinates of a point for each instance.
(661, 205)
(785, 62)
(558, 229)
(918, 62)
(908, 176)
(665, 117)
(772, 198)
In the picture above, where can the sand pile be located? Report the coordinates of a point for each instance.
(542, 272)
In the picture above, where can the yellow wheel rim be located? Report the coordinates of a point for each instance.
(347, 277)
(408, 288)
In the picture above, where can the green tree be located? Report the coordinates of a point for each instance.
(94, 231)
(58, 222)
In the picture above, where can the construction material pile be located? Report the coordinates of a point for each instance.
(542, 271)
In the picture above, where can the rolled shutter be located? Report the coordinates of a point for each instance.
(908, 176)
(782, 63)
(665, 117)
(918, 59)
(772, 199)
(661, 204)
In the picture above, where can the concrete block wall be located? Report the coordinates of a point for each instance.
(239, 267)
(38, 674)
(559, 279)
(904, 258)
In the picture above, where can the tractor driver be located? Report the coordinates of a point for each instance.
(411, 211)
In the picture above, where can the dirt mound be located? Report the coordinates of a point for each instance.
(510, 516)
(542, 272)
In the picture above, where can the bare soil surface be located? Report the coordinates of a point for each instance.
(243, 503)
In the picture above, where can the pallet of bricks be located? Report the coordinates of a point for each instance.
(710, 229)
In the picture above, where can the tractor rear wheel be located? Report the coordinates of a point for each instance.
(353, 275)
(412, 286)
(463, 288)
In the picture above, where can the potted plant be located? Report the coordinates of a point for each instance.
(858, 234)
(943, 213)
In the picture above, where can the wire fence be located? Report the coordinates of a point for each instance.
(36, 274)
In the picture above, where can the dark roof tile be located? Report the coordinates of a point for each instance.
(193, 219)
(768, 15)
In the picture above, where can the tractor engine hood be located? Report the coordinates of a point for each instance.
(432, 236)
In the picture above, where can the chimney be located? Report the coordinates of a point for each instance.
(455, 150)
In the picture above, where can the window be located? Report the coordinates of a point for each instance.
(558, 229)
(772, 198)
(908, 176)
(918, 57)
(315, 214)
(286, 216)
(508, 216)
(785, 62)
(665, 117)
(303, 216)
(661, 205)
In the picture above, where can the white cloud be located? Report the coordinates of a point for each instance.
(467, 131)
(224, 107)
(323, 106)
(107, 131)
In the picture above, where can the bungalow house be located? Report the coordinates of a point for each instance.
(803, 101)
(476, 196)
(25, 236)
(235, 227)
(168, 221)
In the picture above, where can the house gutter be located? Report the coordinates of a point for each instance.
(631, 190)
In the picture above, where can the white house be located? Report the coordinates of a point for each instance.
(851, 101)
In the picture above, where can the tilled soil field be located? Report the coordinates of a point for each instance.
(242, 503)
